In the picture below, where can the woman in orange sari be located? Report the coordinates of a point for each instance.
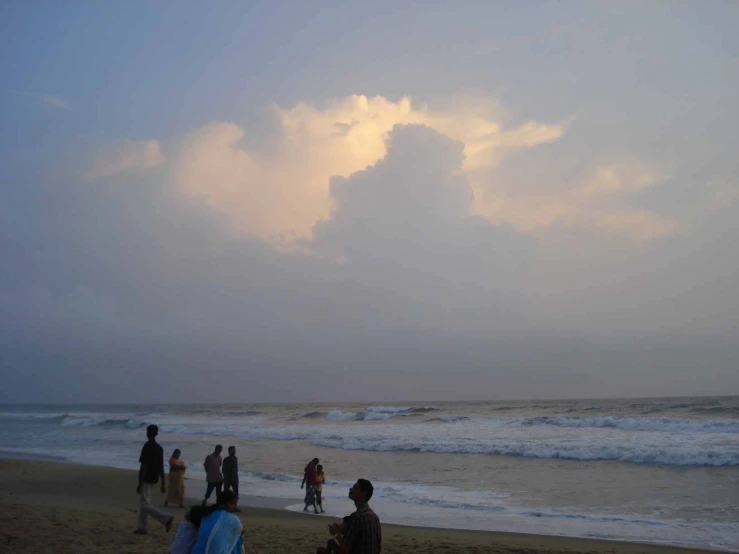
(176, 488)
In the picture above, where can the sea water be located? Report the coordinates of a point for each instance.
(660, 470)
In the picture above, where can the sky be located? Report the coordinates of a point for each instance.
(343, 201)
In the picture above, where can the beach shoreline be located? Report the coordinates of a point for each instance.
(94, 509)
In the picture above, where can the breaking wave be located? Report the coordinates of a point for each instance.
(312, 415)
(644, 453)
(369, 415)
(31, 416)
(639, 423)
(127, 421)
(450, 419)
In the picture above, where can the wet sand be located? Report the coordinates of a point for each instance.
(63, 508)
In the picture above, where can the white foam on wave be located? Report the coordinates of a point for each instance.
(94, 420)
(639, 423)
(449, 507)
(338, 415)
(451, 419)
(388, 409)
(644, 453)
(31, 416)
(668, 441)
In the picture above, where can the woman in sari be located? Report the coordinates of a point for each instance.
(176, 488)
(220, 531)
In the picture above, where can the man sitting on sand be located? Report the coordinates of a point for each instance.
(150, 472)
(359, 532)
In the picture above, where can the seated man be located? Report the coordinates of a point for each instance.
(359, 532)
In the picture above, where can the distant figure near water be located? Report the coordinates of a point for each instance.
(150, 472)
(213, 475)
(320, 481)
(309, 480)
(176, 490)
(360, 531)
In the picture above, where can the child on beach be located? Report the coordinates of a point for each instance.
(320, 481)
(187, 532)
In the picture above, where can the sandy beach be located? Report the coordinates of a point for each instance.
(64, 508)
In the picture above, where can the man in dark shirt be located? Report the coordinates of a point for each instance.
(150, 472)
(359, 532)
(230, 470)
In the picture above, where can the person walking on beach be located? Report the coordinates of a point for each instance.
(176, 487)
(213, 475)
(359, 532)
(309, 480)
(151, 472)
(320, 481)
(231, 472)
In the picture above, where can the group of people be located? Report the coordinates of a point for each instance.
(313, 479)
(226, 480)
(216, 530)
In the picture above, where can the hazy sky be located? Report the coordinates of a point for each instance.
(299, 201)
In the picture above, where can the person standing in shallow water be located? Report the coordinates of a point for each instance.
(320, 481)
(213, 475)
(309, 480)
(150, 472)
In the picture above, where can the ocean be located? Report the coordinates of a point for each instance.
(660, 470)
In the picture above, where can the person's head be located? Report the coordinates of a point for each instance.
(176, 453)
(194, 515)
(314, 461)
(227, 500)
(232, 451)
(218, 449)
(361, 491)
(152, 431)
(319, 468)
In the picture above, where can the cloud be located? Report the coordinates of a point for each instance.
(404, 225)
(278, 192)
(54, 101)
(541, 195)
(124, 157)
(108, 285)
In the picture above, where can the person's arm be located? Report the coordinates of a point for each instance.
(352, 534)
(303, 481)
(142, 470)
